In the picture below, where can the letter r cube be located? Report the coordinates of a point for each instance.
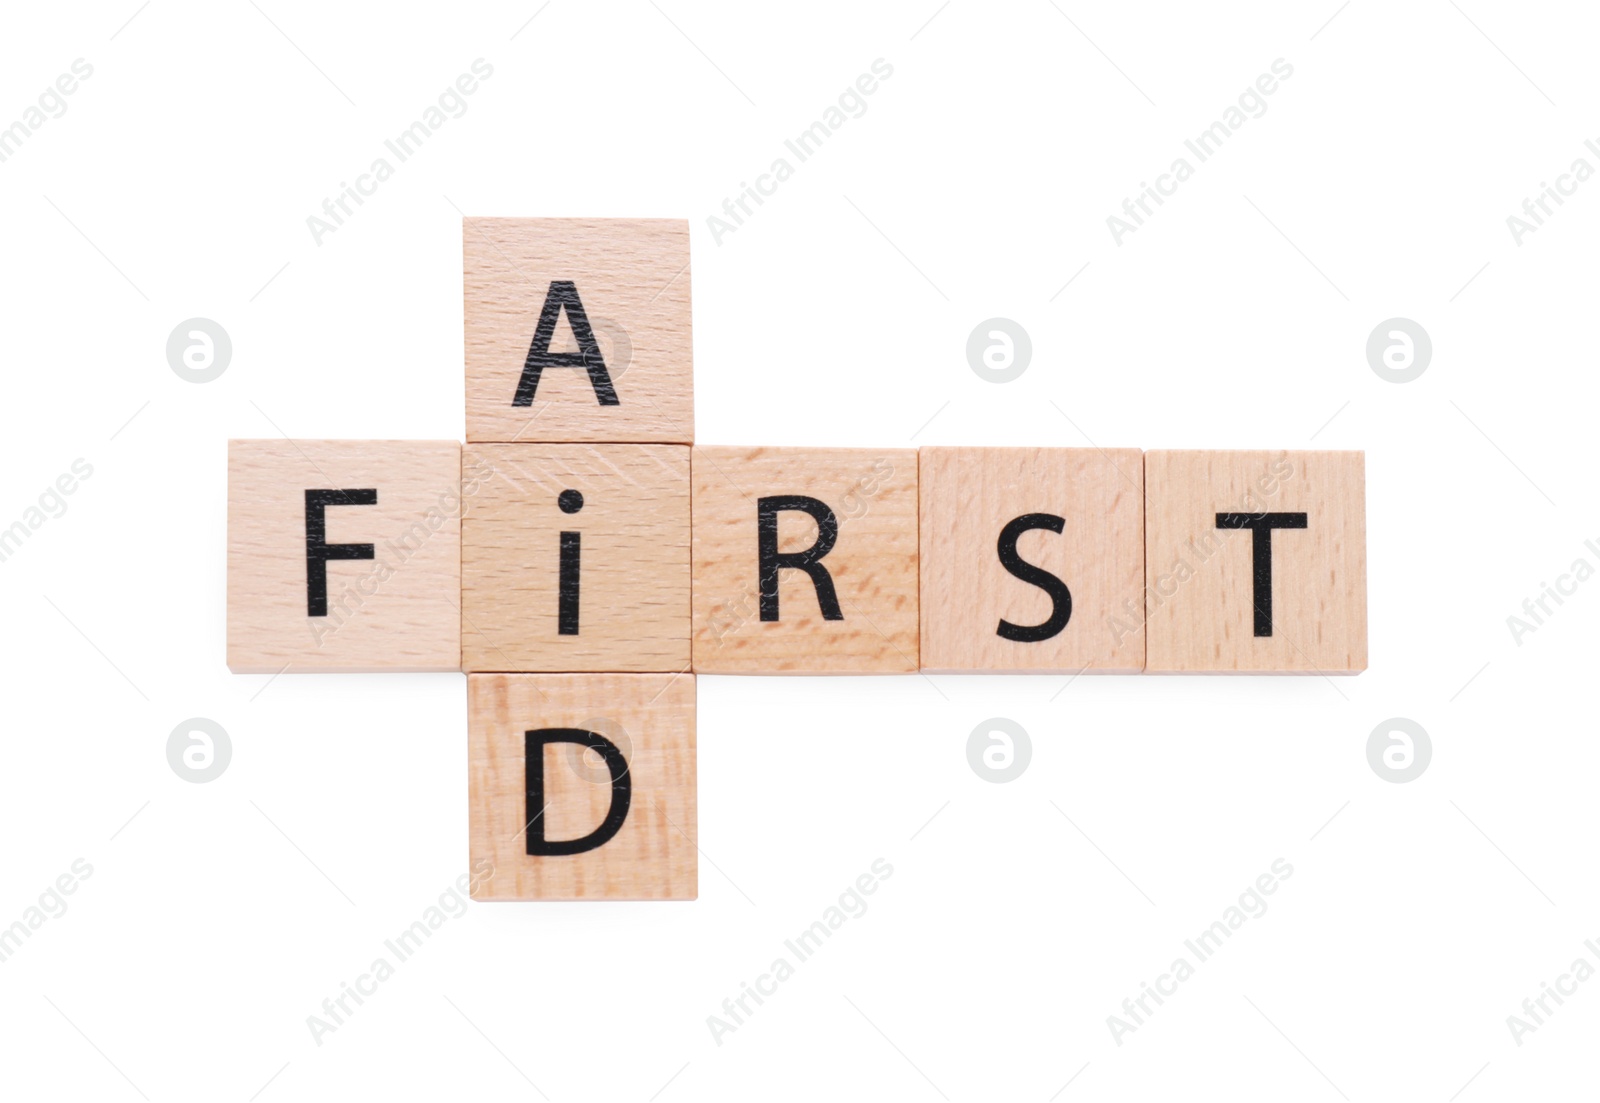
(805, 560)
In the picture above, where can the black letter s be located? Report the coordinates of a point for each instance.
(1060, 596)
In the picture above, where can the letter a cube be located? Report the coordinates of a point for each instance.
(578, 330)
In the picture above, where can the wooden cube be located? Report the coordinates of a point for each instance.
(805, 560)
(577, 329)
(343, 555)
(1032, 559)
(582, 786)
(575, 558)
(1256, 562)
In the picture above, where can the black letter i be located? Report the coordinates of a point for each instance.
(570, 501)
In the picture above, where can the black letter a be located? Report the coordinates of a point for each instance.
(564, 293)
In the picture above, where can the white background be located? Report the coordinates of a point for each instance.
(1378, 183)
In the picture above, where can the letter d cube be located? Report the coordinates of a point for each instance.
(582, 786)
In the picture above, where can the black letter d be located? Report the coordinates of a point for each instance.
(621, 790)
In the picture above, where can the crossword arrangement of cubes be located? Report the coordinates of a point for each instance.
(583, 561)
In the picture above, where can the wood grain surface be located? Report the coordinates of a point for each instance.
(393, 612)
(651, 719)
(632, 277)
(873, 564)
(969, 495)
(633, 528)
(1199, 578)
